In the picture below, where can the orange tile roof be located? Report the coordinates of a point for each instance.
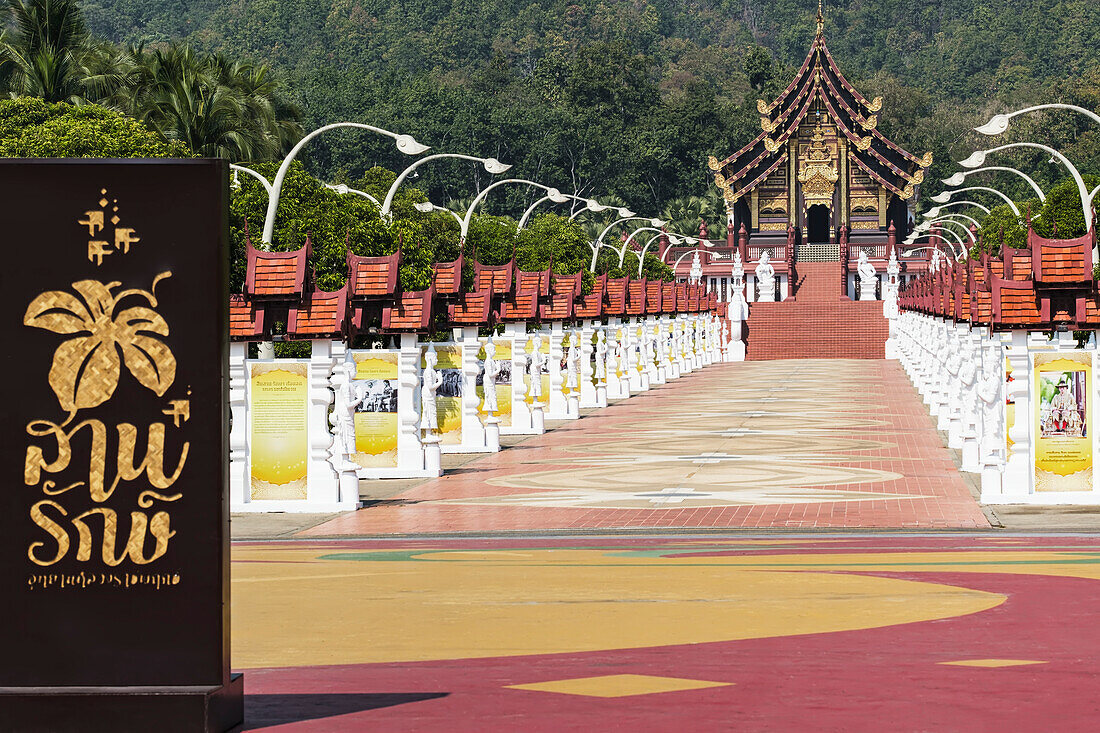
(276, 275)
(246, 319)
(411, 312)
(537, 281)
(520, 307)
(447, 277)
(635, 297)
(591, 305)
(373, 277)
(495, 278)
(320, 314)
(472, 309)
(668, 297)
(1057, 261)
(560, 307)
(615, 301)
(1015, 303)
(567, 284)
(653, 291)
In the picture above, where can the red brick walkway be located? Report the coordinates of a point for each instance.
(781, 444)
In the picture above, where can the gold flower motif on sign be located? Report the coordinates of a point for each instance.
(86, 368)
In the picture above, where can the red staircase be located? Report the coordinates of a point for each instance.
(819, 322)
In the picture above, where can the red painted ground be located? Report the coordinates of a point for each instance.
(884, 679)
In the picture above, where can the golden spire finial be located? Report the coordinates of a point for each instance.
(820, 18)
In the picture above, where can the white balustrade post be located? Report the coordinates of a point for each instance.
(588, 385)
(968, 380)
(558, 409)
(521, 412)
(410, 451)
(954, 386)
(239, 484)
(1018, 468)
(324, 482)
(993, 436)
(473, 432)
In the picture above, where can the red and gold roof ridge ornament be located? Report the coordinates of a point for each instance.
(819, 77)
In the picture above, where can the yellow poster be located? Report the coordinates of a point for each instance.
(545, 349)
(279, 443)
(375, 391)
(1063, 421)
(448, 398)
(503, 358)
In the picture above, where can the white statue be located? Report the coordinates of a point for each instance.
(489, 379)
(534, 369)
(342, 418)
(934, 265)
(868, 277)
(989, 392)
(572, 362)
(601, 356)
(765, 279)
(429, 383)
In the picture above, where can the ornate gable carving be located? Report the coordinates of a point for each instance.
(818, 172)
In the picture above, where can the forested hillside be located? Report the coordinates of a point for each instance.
(630, 97)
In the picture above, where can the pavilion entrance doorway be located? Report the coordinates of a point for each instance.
(817, 224)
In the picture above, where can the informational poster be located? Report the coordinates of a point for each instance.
(503, 359)
(278, 397)
(375, 394)
(545, 349)
(448, 398)
(1063, 421)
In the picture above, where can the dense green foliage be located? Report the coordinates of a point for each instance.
(212, 103)
(1059, 217)
(32, 128)
(630, 97)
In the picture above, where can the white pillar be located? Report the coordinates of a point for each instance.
(588, 385)
(521, 412)
(1018, 468)
(239, 484)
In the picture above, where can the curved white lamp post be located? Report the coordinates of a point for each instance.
(954, 218)
(248, 171)
(655, 223)
(426, 207)
(690, 252)
(485, 192)
(950, 243)
(492, 165)
(960, 176)
(343, 190)
(999, 123)
(944, 197)
(949, 249)
(946, 220)
(405, 143)
(553, 195)
(596, 206)
(978, 158)
(935, 210)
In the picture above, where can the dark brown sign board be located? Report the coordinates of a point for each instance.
(114, 556)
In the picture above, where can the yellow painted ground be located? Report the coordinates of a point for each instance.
(292, 608)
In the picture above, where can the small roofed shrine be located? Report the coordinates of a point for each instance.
(818, 184)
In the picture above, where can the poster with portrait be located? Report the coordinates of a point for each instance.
(375, 396)
(503, 359)
(1062, 415)
(545, 349)
(448, 398)
(278, 405)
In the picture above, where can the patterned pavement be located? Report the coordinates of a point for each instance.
(781, 444)
(960, 632)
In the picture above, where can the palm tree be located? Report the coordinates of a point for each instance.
(217, 106)
(43, 56)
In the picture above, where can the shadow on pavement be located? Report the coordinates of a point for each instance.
(262, 711)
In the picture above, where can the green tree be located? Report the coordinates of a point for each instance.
(42, 58)
(33, 128)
